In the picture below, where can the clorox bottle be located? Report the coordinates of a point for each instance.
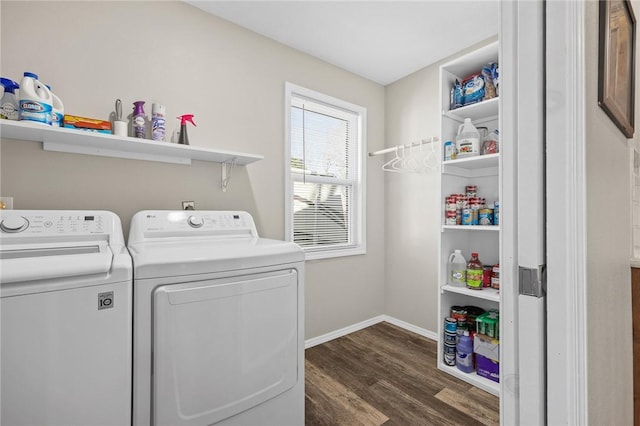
(35, 100)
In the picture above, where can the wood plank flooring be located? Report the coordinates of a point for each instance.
(386, 375)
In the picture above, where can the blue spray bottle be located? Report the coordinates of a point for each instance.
(184, 139)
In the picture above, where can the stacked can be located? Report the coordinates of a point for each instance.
(450, 338)
(450, 210)
(469, 209)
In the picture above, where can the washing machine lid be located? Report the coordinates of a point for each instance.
(55, 249)
(180, 243)
(185, 257)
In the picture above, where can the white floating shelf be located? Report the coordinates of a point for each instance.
(490, 294)
(481, 228)
(81, 142)
(480, 112)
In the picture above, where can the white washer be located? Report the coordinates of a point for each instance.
(66, 300)
(218, 321)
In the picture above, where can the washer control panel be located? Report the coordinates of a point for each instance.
(52, 223)
(192, 223)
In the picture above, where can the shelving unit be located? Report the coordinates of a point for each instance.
(81, 142)
(482, 171)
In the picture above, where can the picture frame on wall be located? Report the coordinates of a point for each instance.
(616, 63)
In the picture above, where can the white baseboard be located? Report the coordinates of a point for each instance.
(367, 323)
(410, 327)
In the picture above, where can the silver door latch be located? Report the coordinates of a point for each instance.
(533, 281)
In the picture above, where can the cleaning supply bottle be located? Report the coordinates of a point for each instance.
(157, 122)
(57, 110)
(474, 273)
(464, 353)
(184, 139)
(35, 100)
(9, 109)
(457, 275)
(467, 140)
(139, 120)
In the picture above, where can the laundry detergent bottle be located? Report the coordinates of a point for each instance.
(467, 140)
(57, 110)
(464, 353)
(35, 100)
(9, 109)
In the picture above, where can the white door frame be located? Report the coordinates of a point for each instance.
(566, 214)
(522, 116)
(566, 233)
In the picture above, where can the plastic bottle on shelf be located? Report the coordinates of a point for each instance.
(158, 122)
(9, 108)
(467, 140)
(464, 353)
(35, 100)
(457, 273)
(57, 110)
(474, 273)
(139, 120)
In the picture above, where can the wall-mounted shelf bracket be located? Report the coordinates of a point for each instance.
(227, 168)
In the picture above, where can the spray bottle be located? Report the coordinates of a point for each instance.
(184, 139)
(139, 120)
(9, 108)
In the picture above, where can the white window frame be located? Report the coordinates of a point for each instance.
(359, 189)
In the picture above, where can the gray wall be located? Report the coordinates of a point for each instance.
(609, 346)
(412, 217)
(232, 80)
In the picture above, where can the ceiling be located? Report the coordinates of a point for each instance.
(380, 40)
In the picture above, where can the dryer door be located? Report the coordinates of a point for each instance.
(223, 346)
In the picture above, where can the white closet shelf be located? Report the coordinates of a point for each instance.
(472, 378)
(482, 111)
(81, 142)
(481, 228)
(486, 293)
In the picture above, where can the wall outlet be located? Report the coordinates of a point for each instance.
(6, 203)
(188, 205)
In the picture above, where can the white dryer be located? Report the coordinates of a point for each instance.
(218, 321)
(66, 319)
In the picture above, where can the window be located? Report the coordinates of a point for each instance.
(324, 173)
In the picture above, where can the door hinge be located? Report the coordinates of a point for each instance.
(533, 281)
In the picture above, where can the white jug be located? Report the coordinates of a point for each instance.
(467, 140)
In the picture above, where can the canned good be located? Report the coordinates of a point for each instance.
(495, 277)
(450, 324)
(451, 204)
(462, 201)
(450, 338)
(459, 313)
(471, 190)
(487, 270)
(450, 217)
(485, 217)
(450, 354)
(467, 217)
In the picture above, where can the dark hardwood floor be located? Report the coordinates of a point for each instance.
(386, 375)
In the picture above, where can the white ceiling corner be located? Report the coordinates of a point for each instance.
(383, 41)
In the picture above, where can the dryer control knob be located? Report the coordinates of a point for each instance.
(195, 222)
(14, 224)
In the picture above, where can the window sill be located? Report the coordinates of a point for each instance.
(327, 254)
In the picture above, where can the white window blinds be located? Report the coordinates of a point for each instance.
(325, 177)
